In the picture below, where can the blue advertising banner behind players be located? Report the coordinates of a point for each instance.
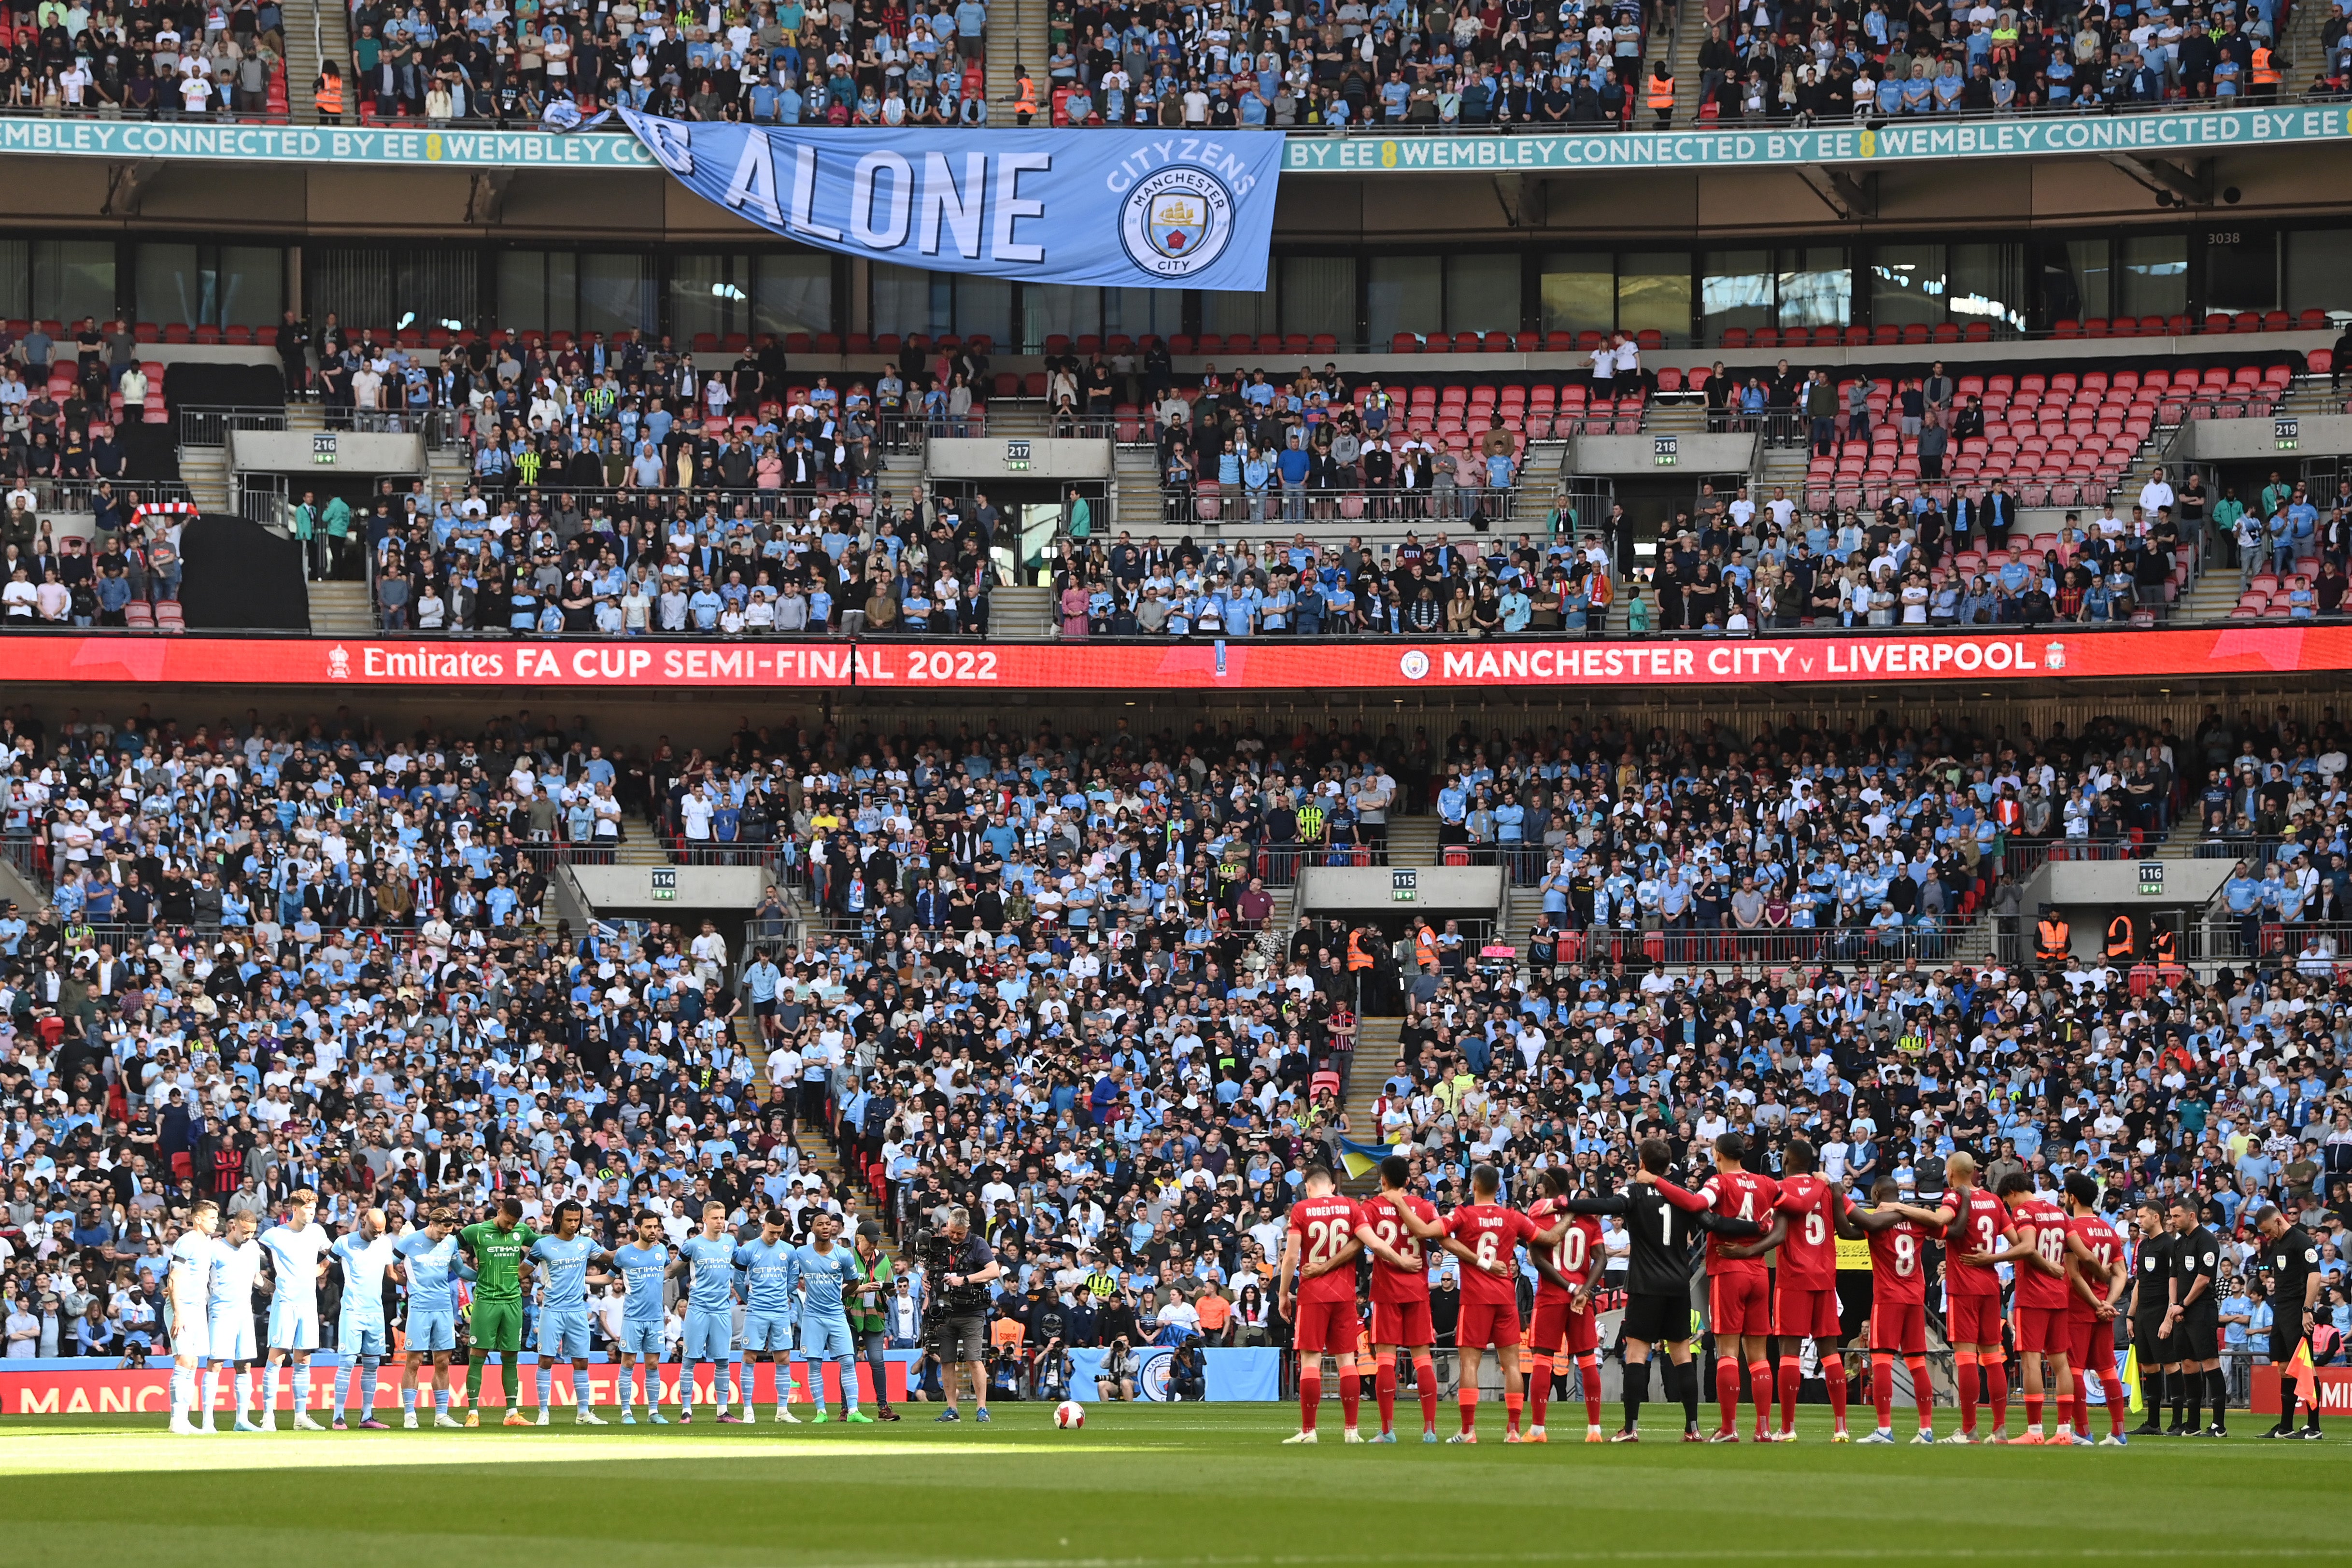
(1127, 209)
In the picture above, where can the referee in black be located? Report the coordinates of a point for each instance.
(2293, 1259)
(2151, 1295)
(2194, 1324)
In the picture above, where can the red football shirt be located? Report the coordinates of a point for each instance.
(1324, 1226)
(1898, 1264)
(1391, 1286)
(1493, 1234)
(1980, 1223)
(1809, 1255)
(1738, 1194)
(2099, 1239)
(2034, 1288)
(1575, 1255)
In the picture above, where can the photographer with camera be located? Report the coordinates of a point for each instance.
(957, 1267)
(1120, 1370)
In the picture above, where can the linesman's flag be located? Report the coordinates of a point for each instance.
(2305, 1378)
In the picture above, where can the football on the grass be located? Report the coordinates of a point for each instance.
(1069, 1415)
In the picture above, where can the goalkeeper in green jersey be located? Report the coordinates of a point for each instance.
(496, 1248)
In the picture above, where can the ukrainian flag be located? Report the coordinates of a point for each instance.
(1360, 1160)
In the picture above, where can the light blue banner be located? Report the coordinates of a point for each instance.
(1125, 209)
(1255, 1373)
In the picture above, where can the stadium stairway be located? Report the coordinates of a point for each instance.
(1690, 32)
(1021, 613)
(1016, 38)
(643, 847)
(1412, 841)
(341, 609)
(1135, 496)
(309, 39)
(816, 1155)
(1376, 1056)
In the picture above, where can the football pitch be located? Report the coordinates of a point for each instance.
(1151, 1487)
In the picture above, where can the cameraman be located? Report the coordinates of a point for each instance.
(1119, 1370)
(958, 1267)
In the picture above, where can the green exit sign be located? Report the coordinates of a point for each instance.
(1665, 450)
(1404, 886)
(665, 886)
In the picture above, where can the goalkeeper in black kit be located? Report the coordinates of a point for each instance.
(1657, 1285)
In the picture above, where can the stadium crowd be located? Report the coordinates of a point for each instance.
(1045, 980)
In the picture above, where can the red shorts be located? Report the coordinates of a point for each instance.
(1557, 1328)
(1801, 1312)
(1327, 1326)
(2091, 1346)
(1973, 1320)
(1405, 1324)
(1899, 1326)
(2041, 1330)
(1484, 1323)
(1740, 1304)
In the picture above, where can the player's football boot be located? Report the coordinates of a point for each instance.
(517, 1418)
(2082, 1440)
(2217, 1430)
(1469, 1437)
(784, 1416)
(2314, 1435)
(338, 1424)
(302, 1422)
(372, 1424)
(658, 1418)
(726, 1419)
(544, 1418)
(1723, 1436)
(1841, 1435)
(1787, 1435)
(1959, 1440)
(1298, 1438)
(2177, 1429)
(182, 1427)
(1510, 1436)
(584, 1417)
(1922, 1438)
(1692, 1434)
(1352, 1436)
(2276, 1432)
(628, 1418)
(1429, 1434)
(449, 1422)
(1881, 1436)
(1536, 1435)
(2147, 1428)
(858, 1418)
(242, 1424)
(1381, 1437)
(684, 1416)
(2029, 1440)
(1627, 1434)
(268, 1422)
(2114, 1440)
(408, 1420)
(1594, 1435)
(473, 1419)
(822, 1415)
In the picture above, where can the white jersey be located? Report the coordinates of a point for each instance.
(236, 1271)
(364, 1264)
(294, 1261)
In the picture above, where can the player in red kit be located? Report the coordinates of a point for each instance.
(1738, 1287)
(1564, 1319)
(1804, 1227)
(2096, 1276)
(1898, 1235)
(1318, 1279)
(1977, 1226)
(1400, 1295)
(2040, 1253)
(1486, 1236)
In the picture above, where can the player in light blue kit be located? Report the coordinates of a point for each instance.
(768, 1309)
(708, 1259)
(366, 1255)
(428, 1263)
(186, 1289)
(563, 1261)
(824, 1274)
(296, 1254)
(643, 1267)
(229, 1314)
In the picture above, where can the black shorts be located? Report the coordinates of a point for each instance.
(2286, 1333)
(2151, 1344)
(1657, 1320)
(2197, 1339)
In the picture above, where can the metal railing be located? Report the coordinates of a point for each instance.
(79, 495)
(210, 426)
(1210, 503)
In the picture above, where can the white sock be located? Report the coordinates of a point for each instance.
(212, 1389)
(270, 1380)
(242, 1376)
(184, 1390)
(579, 1386)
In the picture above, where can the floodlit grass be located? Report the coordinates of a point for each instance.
(1182, 1487)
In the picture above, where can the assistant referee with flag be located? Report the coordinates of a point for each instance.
(2294, 1263)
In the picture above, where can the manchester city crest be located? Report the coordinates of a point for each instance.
(1177, 222)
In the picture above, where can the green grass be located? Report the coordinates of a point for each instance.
(1182, 1487)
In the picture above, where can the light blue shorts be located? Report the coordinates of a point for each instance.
(768, 1330)
(360, 1338)
(230, 1336)
(641, 1339)
(431, 1331)
(293, 1325)
(710, 1336)
(563, 1330)
(827, 1339)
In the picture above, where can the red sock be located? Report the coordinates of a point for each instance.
(1384, 1388)
(1760, 1389)
(1469, 1401)
(1792, 1377)
(1996, 1375)
(2033, 1410)
(1539, 1387)
(1882, 1388)
(1727, 1389)
(2081, 1403)
(1833, 1374)
(1425, 1378)
(1923, 1393)
(2118, 1401)
(1964, 1377)
(1311, 1395)
(1589, 1369)
(1352, 1397)
(1513, 1400)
